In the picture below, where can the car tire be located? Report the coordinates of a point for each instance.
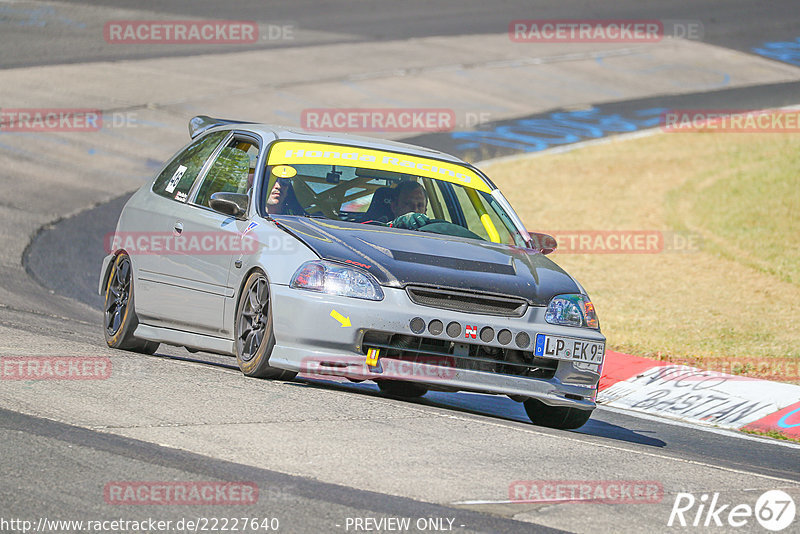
(398, 388)
(255, 339)
(561, 417)
(119, 315)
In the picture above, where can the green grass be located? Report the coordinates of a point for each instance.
(750, 208)
(737, 296)
(771, 434)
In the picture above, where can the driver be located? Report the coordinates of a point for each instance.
(409, 197)
(282, 200)
(277, 197)
(409, 203)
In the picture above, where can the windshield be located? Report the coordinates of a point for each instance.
(374, 187)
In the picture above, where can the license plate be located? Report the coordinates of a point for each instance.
(569, 348)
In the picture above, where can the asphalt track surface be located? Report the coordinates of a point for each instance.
(54, 469)
(309, 503)
(37, 37)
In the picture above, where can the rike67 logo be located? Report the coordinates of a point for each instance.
(774, 510)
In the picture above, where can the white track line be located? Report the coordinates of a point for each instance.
(565, 436)
(697, 426)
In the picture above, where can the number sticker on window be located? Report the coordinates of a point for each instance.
(173, 182)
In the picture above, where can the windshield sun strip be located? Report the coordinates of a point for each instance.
(301, 152)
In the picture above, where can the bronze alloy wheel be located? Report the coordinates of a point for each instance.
(254, 337)
(119, 317)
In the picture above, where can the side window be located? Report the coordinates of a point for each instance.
(502, 222)
(177, 178)
(437, 206)
(231, 172)
(474, 223)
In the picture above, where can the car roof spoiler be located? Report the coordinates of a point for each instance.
(201, 123)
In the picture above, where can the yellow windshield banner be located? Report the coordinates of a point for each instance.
(305, 153)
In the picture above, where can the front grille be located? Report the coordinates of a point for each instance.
(445, 353)
(469, 302)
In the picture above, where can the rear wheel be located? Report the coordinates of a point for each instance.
(254, 336)
(396, 388)
(561, 417)
(119, 318)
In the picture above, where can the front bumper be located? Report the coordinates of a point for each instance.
(310, 338)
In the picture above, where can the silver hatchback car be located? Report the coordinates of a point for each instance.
(335, 255)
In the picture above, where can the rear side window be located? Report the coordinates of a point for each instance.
(177, 178)
(231, 172)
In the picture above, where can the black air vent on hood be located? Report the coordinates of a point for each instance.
(453, 263)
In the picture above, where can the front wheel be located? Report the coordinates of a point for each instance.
(560, 417)
(119, 317)
(254, 337)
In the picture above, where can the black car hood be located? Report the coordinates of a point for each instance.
(401, 257)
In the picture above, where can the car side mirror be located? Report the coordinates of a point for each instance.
(543, 243)
(233, 204)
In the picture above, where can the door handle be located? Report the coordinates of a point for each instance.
(178, 228)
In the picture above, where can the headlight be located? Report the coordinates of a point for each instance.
(334, 279)
(572, 310)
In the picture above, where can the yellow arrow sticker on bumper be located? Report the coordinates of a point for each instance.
(345, 321)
